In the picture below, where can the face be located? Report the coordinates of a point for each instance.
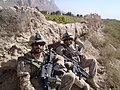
(68, 41)
(38, 47)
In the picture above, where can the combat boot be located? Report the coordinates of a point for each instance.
(92, 83)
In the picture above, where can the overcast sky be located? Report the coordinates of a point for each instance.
(105, 8)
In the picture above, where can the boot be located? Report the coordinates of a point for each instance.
(92, 83)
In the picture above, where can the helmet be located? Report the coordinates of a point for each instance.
(67, 35)
(36, 38)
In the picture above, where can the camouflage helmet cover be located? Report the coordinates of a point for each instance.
(36, 38)
(67, 35)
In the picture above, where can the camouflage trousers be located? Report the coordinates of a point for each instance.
(33, 84)
(68, 81)
(25, 83)
(91, 64)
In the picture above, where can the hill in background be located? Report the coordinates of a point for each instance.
(43, 5)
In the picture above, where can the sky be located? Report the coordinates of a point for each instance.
(105, 8)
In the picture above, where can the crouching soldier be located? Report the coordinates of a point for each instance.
(69, 50)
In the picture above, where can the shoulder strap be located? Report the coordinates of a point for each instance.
(30, 61)
(71, 51)
(68, 48)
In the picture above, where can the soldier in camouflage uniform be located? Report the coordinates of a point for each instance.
(28, 70)
(73, 51)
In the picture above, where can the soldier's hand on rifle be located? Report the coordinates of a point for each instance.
(68, 65)
(59, 69)
(82, 57)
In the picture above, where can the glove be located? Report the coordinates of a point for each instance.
(68, 65)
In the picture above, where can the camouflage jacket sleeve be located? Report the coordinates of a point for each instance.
(80, 43)
(60, 64)
(24, 76)
(59, 50)
(59, 60)
(21, 69)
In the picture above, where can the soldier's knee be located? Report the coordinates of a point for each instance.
(69, 76)
(67, 82)
(94, 61)
(86, 86)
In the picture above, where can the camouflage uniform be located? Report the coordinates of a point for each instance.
(69, 79)
(29, 74)
(83, 62)
(91, 63)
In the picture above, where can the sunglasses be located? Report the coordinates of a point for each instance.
(38, 43)
(68, 39)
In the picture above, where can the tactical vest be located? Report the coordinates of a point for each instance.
(31, 60)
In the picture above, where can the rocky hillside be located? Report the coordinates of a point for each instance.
(18, 24)
(43, 5)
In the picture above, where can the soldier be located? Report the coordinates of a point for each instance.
(28, 69)
(69, 79)
(73, 51)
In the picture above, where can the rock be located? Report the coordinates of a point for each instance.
(1, 8)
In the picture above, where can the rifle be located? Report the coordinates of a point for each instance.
(77, 68)
(47, 72)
